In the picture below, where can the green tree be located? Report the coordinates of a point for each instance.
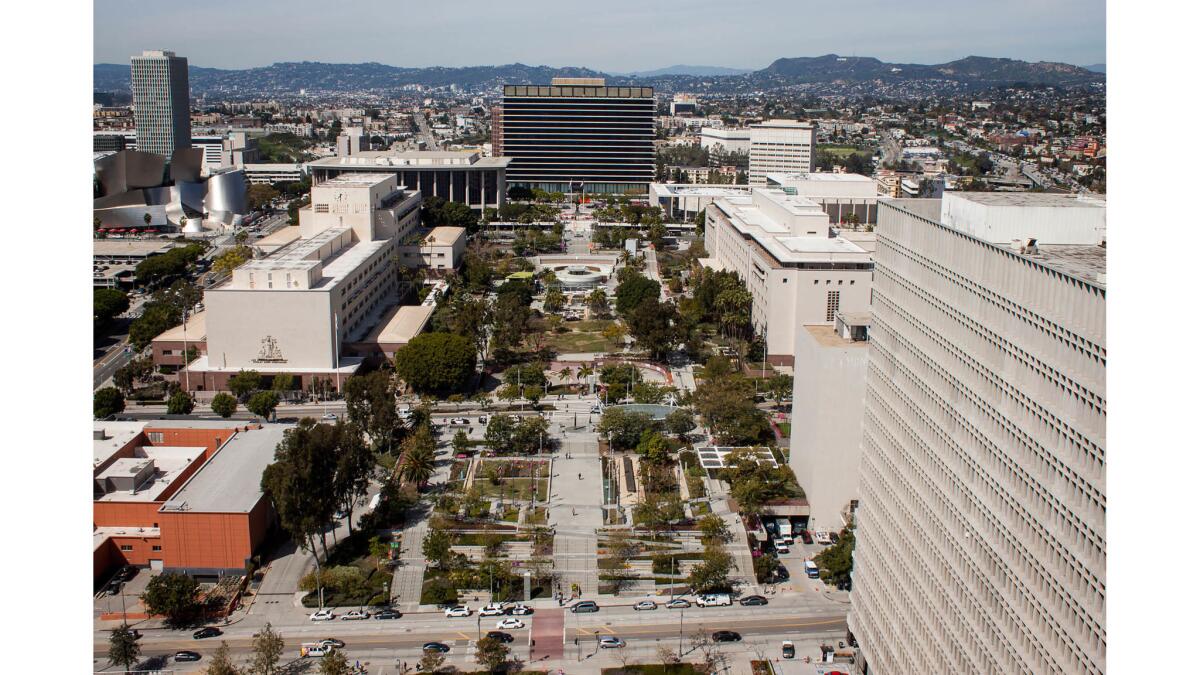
(231, 259)
(436, 547)
(263, 404)
(335, 663)
(634, 290)
(780, 387)
(107, 401)
(260, 195)
(417, 464)
(245, 382)
(224, 405)
(222, 662)
(499, 433)
(653, 448)
(268, 647)
(837, 562)
(712, 574)
(555, 300)
(529, 434)
(460, 443)
(283, 382)
(173, 596)
(355, 466)
(491, 654)
(598, 301)
(136, 371)
(431, 662)
(436, 362)
(180, 403)
(680, 422)
(123, 649)
(648, 392)
(623, 429)
(371, 405)
(107, 304)
(713, 528)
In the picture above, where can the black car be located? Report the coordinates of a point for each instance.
(206, 632)
(782, 573)
(726, 636)
(833, 537)
(753, 600)
(435, 647)
(585, 606)
(125, 573)
(387, 614)
(500, 636)
(187, 656)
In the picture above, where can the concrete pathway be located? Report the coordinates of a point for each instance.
(575, 512)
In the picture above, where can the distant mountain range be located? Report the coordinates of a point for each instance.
(831, 71)
(699, 71)
(1096, 68)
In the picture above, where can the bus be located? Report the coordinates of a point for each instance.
(811, 570)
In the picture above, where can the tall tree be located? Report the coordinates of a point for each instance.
(173, 596)
(180, 403)
(263, 404)
(491, 654)
(371, 405)
(267, 647)
(222, 662)
(107, 401)
(355, 465)
(335, 663)
(436, 362)
(123, 649)
(224, 405)
(418, 463)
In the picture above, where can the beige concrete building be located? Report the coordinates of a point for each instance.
(780, 146)
(981, 541)
(842, 195)
(797, 270)
(440, 249)
(290, 312)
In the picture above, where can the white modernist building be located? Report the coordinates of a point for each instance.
(840, 194)
(725, 139)
(290, 311)
(981, 544)
(796, 268)
(780, 146)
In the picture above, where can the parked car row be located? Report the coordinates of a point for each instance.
(328, 614)
(491, 609)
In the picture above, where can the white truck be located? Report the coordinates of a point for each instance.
(715, 600)
(784, 525)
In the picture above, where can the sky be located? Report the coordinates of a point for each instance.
(606, 35)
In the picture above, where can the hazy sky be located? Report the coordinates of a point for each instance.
(609, 35)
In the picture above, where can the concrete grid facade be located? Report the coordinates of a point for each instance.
(161, 111)
(981, 528)
(780, 146)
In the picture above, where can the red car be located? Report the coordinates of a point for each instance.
(806, 537)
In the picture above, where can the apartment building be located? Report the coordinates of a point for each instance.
(798, 271)
(780, 146)
(981, 524)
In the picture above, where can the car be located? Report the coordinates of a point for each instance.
(329, 416)
(781, 547)
(187, 656)
(356, 615)
(833, 537)
(751, 600)
(510, 623)
(125, 573)
(492, 609)
(458, 610)
(585, 606)
(806, 536)
(679, 603)
(387, 614)
(718, 600)
(726, 636)
(611, 642)
(322, 615)
(782, 573)
(483, 419)
(789, 649)
(332, 642)
(520, 610)
(499, 636)
(435, 647)
(646, 604)
(206, 632)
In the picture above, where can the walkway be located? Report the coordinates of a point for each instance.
(409, 576)
(575, 512)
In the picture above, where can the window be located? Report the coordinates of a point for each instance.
(155, 436)
(155, 547)
(832, 300)
(126, 547)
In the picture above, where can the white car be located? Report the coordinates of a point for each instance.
(646, 604)
(781, 547)
(460, 610)
(356, 615)
(610, 642)
(492, 609)
(329, 416)
(510, 623)
(521, 610)
(321, 615)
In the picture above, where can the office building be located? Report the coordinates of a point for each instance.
(464, 177)
(722, 139)
(780, 146)
(846, 197)
(683, 105)
(161, 110)
(981, 541)
(797, 270)
(275, 173)
(579, 135)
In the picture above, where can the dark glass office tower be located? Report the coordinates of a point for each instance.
(579, 135)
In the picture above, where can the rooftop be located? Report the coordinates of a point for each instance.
(278, 239)
(444, 235)
(356, 180)
(697, 190)
(829, 177)
(827, 336)
(130, 247)
(1039, 199)
(195, 330)
(167, 464)
(401, 324)
(117, 435)
(790, 228)
(230, 481)
(416, 159)
(103, 534)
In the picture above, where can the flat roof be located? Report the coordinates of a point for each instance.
(169, 463)
(356, 180)
(130, 247)
(385, 160)
(697, 190)
(230, 481)
(119, 434)
(195, 330)
(829, 177)
(279, 238)
(347, 365)
(401, 324)
(444, 235)
(103, 534)
(1041, 199)
(827, 336)
(776, 239)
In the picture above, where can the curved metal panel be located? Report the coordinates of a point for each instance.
(227, 193)
(185, 165)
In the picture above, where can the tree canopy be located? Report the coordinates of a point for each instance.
(107, 401)
(107, 304)
(437, 362)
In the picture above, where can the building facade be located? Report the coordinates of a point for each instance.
(781, 146)
(161, 109)
(464, 177)
(725, 139)
(981, 525)
(579, 135)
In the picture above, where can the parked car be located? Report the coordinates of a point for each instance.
(717, 600)
(679, 603)
(387, 614)
(782, 573)
(435, 647)
(833, 537)
(206, 632)
(585, 606)
(483, 419)
(492, 609)
(789, 649)
(510, 623)
(125, 573)
(333, 642)
(520, 610)
(329, 416)
(646, 604)
(806, 536)
(782, 547)
(187, 656)
(751, 600)
(458, 610)
(610, 642)
(356, 615)
(726, 636)
(499, 636)
(322, 615)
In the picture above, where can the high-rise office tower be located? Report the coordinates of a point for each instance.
(160, 102)
(579, 134)
(780, 146)
(981, 522)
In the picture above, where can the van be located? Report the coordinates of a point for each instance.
(811, 570)
(717, 600)
(313, 650)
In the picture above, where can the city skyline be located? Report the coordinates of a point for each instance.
(549, 34)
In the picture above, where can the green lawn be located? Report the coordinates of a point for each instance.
(785, 429)
(571, 343)
(840, 151)
(536, 516)
(514, 488)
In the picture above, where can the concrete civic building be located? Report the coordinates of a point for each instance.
(840, 194)
(981, 541)
(781, 146)
(180, 496)
(725, 139)
(464, 177)
(578, 134)
(798, 271)
(290, 312)
(161, 108)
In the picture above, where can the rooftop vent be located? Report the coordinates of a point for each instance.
(99, 435)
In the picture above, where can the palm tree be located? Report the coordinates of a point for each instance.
(417, 465)
(564, 374)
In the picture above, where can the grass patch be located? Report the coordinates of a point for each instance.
(701, 509)
(518, 489)
(574, 342)
(839, 151)
(785, 429)
(482, 538)
(538, 515)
